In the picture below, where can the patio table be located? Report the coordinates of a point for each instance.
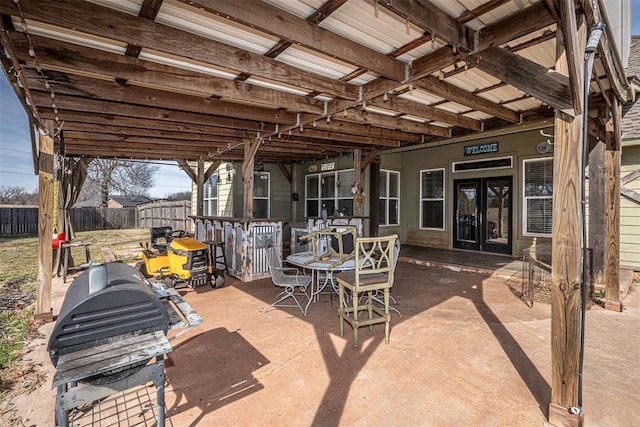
(301, 259)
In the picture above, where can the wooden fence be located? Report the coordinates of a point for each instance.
(161, 213)
(23, 220)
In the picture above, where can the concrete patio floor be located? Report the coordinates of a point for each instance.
(466, 351)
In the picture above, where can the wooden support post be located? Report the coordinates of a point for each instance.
(374, 199)
(612, 196)
(247, 177)
(44, 309)
(294, 187)
(357, 176)
(200, 188)
(597, 209)
(566, 267)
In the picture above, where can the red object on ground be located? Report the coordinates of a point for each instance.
(58, 239)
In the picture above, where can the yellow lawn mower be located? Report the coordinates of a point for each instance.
(178, 260)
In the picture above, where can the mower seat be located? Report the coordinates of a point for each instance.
(159, 238)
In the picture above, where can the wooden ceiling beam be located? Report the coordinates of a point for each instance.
(149, 10)
(481, 10)
(366, 118)
(569, 34)
(339, 126)
(406, 106)
(500, 32)
(120, 26)
(70, 57)
(546, 85)
(118, 124)
(425, 15)
(606, 48)
(456, 94)
(67, 84)
(73, 105)
(298, 31)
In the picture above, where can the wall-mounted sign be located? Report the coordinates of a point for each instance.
(328, 166)
(313, 168)
(487, 147)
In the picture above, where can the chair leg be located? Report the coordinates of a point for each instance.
(370, 307)
(387, 316)
(355, 320)
(341, 308)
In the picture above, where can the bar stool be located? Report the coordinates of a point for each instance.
(66, 251)
(217, 274)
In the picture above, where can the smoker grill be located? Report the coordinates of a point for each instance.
(112, 324)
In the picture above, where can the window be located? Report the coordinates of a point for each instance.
(432, 199)
(211, 196)
(331, 190)
(538, 197)
(389, 197)
(261, 191)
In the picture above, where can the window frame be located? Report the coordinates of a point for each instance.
(336, 194)
(206, 198)
(443, 199)
(256, 174)
(388, 172)
(526, 198)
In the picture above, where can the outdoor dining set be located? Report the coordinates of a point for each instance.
(360, 270)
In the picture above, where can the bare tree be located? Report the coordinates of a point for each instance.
(10, 195)
(107, 177)
(182, 195)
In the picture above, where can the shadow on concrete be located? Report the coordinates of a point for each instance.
(417, 290)
(223, 378)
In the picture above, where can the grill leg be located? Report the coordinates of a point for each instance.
(159, 382)
(62, 415)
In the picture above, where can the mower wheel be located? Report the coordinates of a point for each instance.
(217, 279)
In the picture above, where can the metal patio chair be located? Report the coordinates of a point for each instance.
(293, 282)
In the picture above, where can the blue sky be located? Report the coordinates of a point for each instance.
(16, 165)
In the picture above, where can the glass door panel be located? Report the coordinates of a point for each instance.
(466, 224)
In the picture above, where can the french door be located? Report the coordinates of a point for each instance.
(483, 214)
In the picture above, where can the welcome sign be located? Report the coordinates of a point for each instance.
(488, 147)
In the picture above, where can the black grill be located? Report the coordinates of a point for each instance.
(126, 305)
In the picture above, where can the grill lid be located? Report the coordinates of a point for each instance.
(123, 304)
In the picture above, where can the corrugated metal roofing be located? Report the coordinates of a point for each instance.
(361, 21)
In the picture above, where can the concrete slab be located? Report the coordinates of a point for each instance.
(466, 351)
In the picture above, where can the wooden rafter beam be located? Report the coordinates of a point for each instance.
(296, 30)
(569, 25)
(425, 15)
(285, 171)
(55, 54)
(372, 155)
(406, 106)
(73, 105)
(251, 148)
(67, 84)
(606, 48)
(498, 33)
(455, 94)
(481, 10)
(115, 25)
(630, 177)
(18, 81)
(548, 86)
(366, 118)
(149, 10)
(184, 165)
